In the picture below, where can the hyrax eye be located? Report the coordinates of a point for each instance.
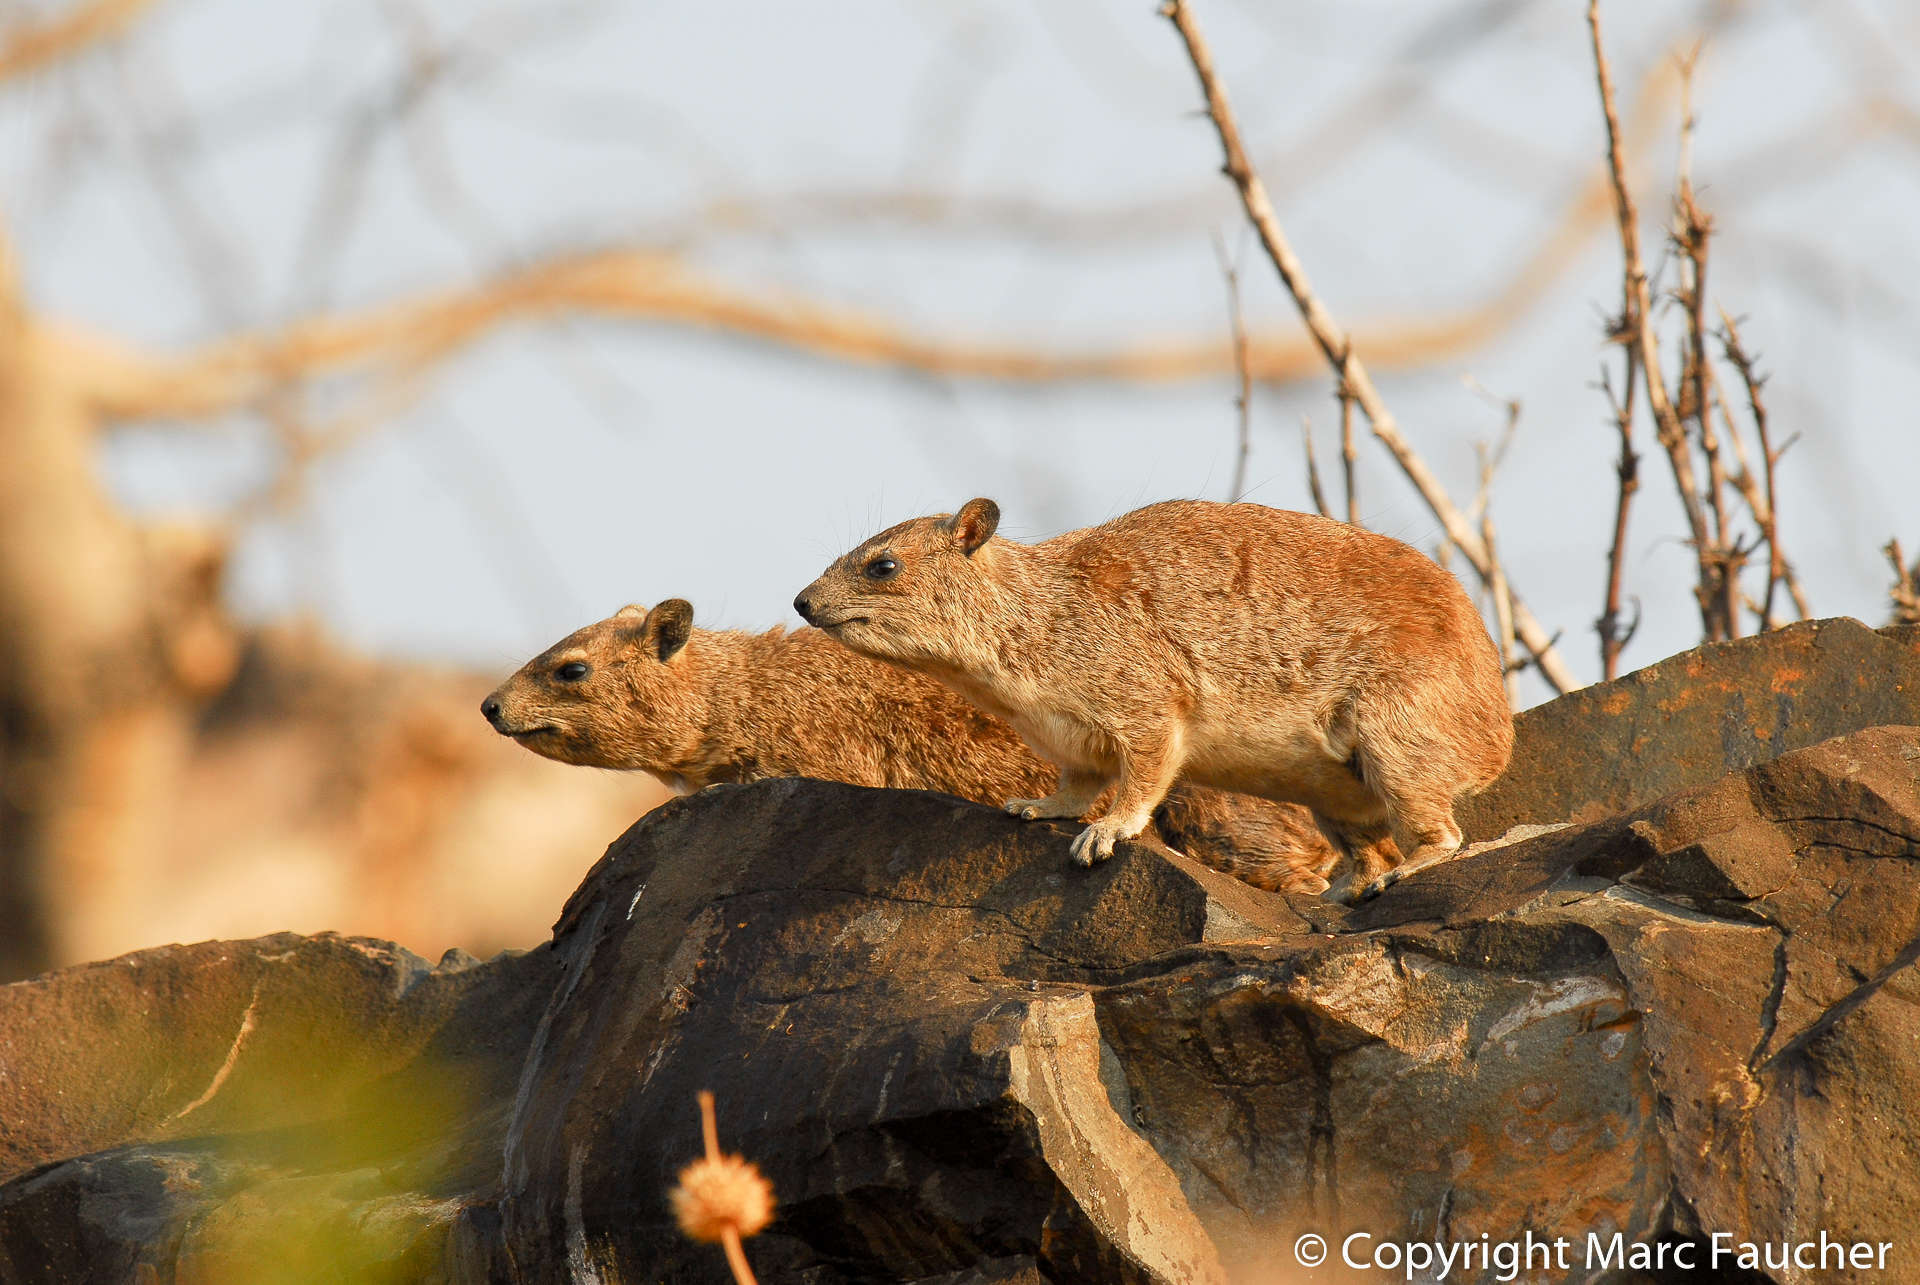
(881, 568)
(571, 672)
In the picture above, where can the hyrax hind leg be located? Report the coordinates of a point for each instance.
(1367, 851)
(1406, 760)
(1078, 791)
(1424, 830)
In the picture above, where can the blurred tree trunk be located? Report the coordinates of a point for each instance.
(110, 640)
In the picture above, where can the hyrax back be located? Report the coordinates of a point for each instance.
(647, 691)
(1233, 645)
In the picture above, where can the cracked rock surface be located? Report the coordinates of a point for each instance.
(1692, 1008)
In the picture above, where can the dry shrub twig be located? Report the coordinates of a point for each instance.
(1348, 459)
(1761, 497)
(1638, 323)
(1691, 233)
(1906, 586)
(1313, 470)
(1502, 597)
(1337, 349)
(1686, 416)
(1613, 635)
(1243, 374)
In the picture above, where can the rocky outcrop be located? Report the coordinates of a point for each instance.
(252, 1110)
(1692, 718)
(1692, 1010)
(1696, 1017)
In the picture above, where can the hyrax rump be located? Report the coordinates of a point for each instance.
(1233, 645)
(645, 690)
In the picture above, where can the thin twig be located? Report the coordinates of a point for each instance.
(1491, 458)
(1906, 586)
(1497, 590)
(1764, 504)
(1313, 469)
(1692, 233)
(1243, 398)
(1668, 429)
(1349, 459)
(1335, 346)
(1613, 638)
(1750, 490)
(1502, 615)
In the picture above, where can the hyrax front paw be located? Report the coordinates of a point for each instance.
(1095, 843)
(1053, 806)
(1378, 885)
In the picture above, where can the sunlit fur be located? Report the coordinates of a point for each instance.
(1253, 649)
(730, 706)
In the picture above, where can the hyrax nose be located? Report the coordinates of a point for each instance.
(490, 707)
(804, 607)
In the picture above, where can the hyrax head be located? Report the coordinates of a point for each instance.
(619, 694)
(912, 593)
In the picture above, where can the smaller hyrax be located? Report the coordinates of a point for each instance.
(645, 690)
(1232, 645)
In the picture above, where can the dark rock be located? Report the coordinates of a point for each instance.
(331, 1097)
(961, 1059)
(1717, 1027)
(906, 1043)
(1584, 1032)
(1692, 718)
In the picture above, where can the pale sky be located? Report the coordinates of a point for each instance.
(166, 189)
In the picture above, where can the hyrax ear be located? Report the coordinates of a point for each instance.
(630, 625)
(668, 626)
(974, 524)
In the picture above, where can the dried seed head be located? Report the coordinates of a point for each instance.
(718, 1194)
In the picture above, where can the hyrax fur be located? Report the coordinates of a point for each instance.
(1233, 645)
(645, 690)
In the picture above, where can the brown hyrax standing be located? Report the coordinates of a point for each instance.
(645, 690)
(1253, 649)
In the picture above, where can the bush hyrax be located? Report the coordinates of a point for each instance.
(1232, 645)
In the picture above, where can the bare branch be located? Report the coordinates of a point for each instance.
(1613, 638)
(1762, 503)
(1349, 459)
(1491, 458)
(1313, 470)
(1497, 590)
(635, 285)
(1906, 586)
(31, 45)
(1243, 396)
(1502, 615)
(1691, 233)
(215, 257)
(1639, 325)
(1337, 348)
